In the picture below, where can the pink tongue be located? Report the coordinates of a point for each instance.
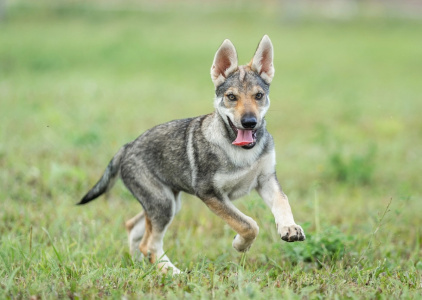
(244, 137)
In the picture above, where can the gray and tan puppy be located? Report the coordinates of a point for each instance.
(217, 157)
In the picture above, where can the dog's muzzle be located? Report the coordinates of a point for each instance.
(245, 138)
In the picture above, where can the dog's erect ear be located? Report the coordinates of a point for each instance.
(262, 62)
(225, 63)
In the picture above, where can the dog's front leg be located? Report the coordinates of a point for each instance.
(245, 226)
(270, 190)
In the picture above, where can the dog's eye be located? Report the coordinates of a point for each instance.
(231, 97)
(259, 96)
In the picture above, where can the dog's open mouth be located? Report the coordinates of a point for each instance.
(244, 138)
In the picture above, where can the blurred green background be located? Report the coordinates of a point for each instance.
(78, 79)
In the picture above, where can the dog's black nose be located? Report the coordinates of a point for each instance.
(248, 122)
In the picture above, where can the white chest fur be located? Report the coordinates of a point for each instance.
(240, 182)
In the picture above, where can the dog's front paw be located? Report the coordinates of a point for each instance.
(291, 233)
(240, 244)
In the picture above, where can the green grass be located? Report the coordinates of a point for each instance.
(78, 81)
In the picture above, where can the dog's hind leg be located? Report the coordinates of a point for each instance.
(160, 204)
(136, 230)
(152, 245)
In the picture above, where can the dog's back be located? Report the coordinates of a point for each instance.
(161, 151)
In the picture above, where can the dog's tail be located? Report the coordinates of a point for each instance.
(108, 179)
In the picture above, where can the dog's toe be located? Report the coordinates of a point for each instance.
(291, 233)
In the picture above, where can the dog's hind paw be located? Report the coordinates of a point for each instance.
(291, 233)
(166, 266)
(176, 271)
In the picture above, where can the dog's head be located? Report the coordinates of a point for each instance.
(242, 91)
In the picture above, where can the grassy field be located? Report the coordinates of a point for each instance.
(79, 81)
